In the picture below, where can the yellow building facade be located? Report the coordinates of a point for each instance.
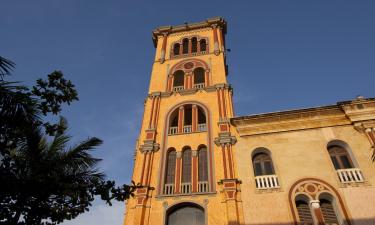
(198, 164)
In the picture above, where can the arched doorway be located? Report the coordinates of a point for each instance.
(185, 214)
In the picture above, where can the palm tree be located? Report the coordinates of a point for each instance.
(49, 180)
(6, 66)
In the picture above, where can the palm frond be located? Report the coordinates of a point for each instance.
(6, 66)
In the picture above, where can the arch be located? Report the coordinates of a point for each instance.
(197, 218)
(211, 186)
(262, 162)
(188, 65)
(313, 187)
(341, 155)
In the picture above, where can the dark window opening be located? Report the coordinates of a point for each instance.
(199, 75)
(176, 49)
(203, 45)
(185, 46)
(178, 78)
(328, 212)
(340, 157)
(194, 45)
(171, 165)
(186, 166)
(263, 164)
(188, 115)
(201, 116)
(202, 164)
(304, 213)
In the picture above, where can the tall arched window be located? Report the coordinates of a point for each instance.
(263, 164)
(328, 212)
(194, 45)
(178, 80)
(344, 162)
(199, 78)
(176, 49)
(202, 164)
(304, 212)
(340, 157)
(170, 171)
(186, 171)
(203, 45)
(186, 214)
(185, 46)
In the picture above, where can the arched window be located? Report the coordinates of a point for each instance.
(262, 163)
(176, 49)
(199, 77)
(186, 165)
(171, 165)
(203, 45)
(194, 45)
(202, 164)
(340, 157)
(304, 212)
(329, 214)
(178, 80)
(193, 120)
(186, 214)
(185, 46)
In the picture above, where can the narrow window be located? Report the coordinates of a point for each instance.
(176, 49)
(178, 80)
(202, 164)
(201, 116)
(199, 76)
(171, 165)
(304, 213)
(203, 44)
(340, 157)
(263, 164)
(186, 166)
(185, 46)
(194, 45)
(328, 212)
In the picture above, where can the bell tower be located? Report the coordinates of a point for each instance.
(184, 156)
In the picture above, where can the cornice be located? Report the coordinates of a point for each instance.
(162, 30)
(343, 113)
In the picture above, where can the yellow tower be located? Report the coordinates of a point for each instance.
(184, 158)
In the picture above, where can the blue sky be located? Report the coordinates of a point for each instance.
(284, 55)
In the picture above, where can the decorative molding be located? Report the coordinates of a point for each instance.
(225, 138)
(149, 146)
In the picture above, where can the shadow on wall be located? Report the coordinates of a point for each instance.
(367, 221)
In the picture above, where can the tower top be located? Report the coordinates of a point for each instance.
(218, 21)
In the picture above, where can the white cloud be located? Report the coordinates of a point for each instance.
(101, 214)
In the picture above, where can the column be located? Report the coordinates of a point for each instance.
(315, 206)
(194, 165)
(207, 78)
(216, 43)
(219, 103)
(230, 161)
(224, 161)
(194, 119)
(177, 184)
(152, 112)
(180, 119)
(163, 48)
(223, 102)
